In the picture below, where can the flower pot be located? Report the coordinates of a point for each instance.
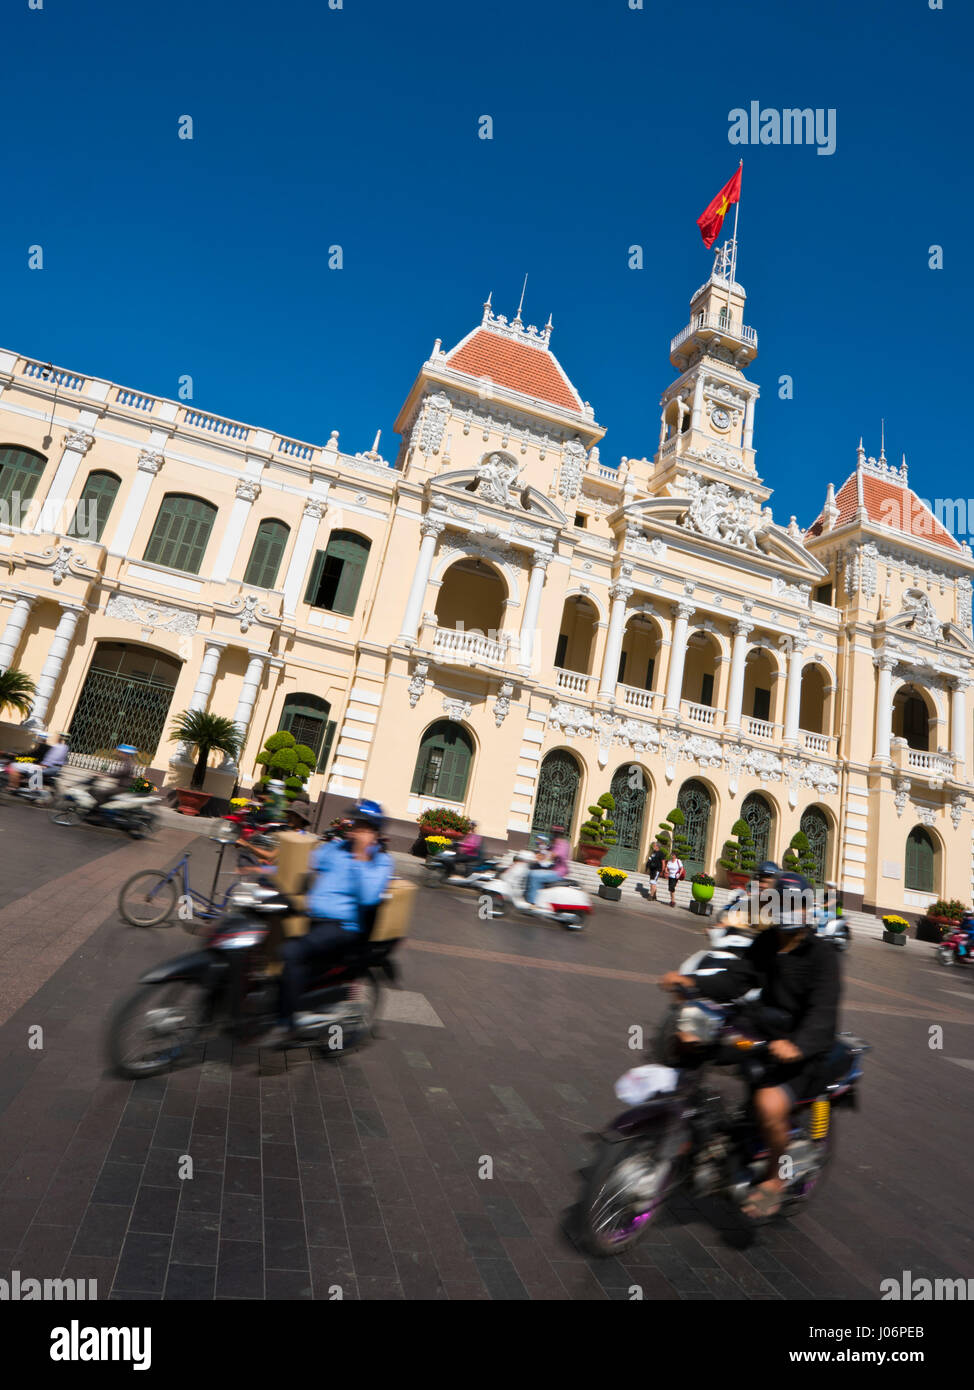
(894, 938)
(611, 895)
(736, 879)
(701, 909)
(702, 892)
(933, 929)
(592, 854)
(191, 803)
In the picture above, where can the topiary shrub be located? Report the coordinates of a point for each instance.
(798, 857)
(737, 856)
(600, 828)
(670, 835)
(284, 759)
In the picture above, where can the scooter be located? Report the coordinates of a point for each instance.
(442, 870)
(128, 811)
(955, 949)
(562, 902)
(835, 930)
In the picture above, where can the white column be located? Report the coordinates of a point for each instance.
(297, 570)
(735, 695)
(431, 528)
(678, 656)
(245, 705)
(749, 422)
(620, 595)
(884, 706)
(697, 402)
(793, 693)
(958, 727)
(54, 515)
(150, 461)
(14, 629)
(200, 697)
(248, 490)
(532, 607)
(52, 667)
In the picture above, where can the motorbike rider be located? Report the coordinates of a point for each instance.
(351, 876)
(552, 866)
(744, 903)
(50, 757)
(797, 1009)
(109, 784)
(469, 850)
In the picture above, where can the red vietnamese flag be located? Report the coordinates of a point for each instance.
(711, 219)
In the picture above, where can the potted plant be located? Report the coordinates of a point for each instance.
(141, 786)
(737, 859)
(207, 733)
(894, 929)
(798, 857)
(611, 885)
(598, 834)
(439, 820)
(702, 890)
(941, 918)
(17, 691)
(285, 760)
(436, 844)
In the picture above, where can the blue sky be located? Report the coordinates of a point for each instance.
(358, 127)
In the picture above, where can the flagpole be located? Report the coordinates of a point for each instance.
(737, 208)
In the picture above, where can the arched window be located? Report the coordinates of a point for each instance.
(265, 558)
(94, 504)
(759, 816)
(20, 471)
(337, 572)
(181, 532)
(815, 825)
(443, 766)
(921, 861)
(306, 717)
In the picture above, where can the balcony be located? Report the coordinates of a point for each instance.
(710, 325)
(456, 647)
(702, 714)
(816, 743)
(635, 698)
(931, 764)
(760, 728)
(577, 682)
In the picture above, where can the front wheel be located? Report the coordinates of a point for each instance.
(572, 921)
(153, 1028)
(142, 826)
(436, 873)
(148, 898)
(356, 1028)
(65, 812)
(945, 955)
(623, 1196)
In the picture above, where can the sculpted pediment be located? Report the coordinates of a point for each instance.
(715, 513)
(497, 484)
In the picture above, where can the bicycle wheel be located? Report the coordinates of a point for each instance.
(65, 812)
(148, 898)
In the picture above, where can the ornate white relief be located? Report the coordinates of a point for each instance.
(249, 609)
(417, 683)
(901, 788)
(432, 526)
(61, 559)
(926, 815)
(869, 556)
(462, 513)
(792, 593)
(502, 705)
(151, 615)
(720, 512)
(762, 763)
(924, 620)
(572, 468)
(315, 508)
(247, 489)
(150, 460)
(457, 710)
(496, 476)
(657, 548)
(963, 587)
(470, 544)
(434, 423)
(957, 810)
(79, 440)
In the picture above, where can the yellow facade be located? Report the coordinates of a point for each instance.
(648, 624)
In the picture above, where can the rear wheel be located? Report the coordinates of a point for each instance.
(945, 955)
(148, 898)
(154, 1027)
(356, 1028)
(623, 1196)
(65, 812)
(498, 906)
(436, 873)
(572, 921)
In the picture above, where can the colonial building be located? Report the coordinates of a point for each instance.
(500, 622)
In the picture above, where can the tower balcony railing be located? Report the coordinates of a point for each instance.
(740, 332)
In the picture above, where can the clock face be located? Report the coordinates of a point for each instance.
(719, 418)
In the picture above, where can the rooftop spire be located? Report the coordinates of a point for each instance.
(882, 441)
(517, 316)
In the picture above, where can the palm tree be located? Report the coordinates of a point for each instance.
(17, 691)
(207, 733)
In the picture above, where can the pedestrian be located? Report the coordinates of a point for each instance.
(654, 867)
(674, 871)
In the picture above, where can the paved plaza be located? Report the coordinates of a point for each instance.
(361, 1175)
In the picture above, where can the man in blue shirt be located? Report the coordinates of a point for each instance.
(351, 876)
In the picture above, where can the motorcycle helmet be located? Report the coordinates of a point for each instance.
(127, 749)
(367, 813)
(790, 896)
(769, 869)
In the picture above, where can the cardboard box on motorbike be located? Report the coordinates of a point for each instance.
(294, 848)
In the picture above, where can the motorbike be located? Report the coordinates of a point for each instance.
(562, 902)
(955, 949)
(679, 1132)
(226, 989)
(834, 929)
(128, 811)
(42, 794)
(442, 869)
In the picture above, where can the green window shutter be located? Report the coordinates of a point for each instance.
(181, 532)
(329, 739)
(443, 764)
(94, 505)
(266, 556)
(20, 472)
(919, 861)
(317, 569)
(347, 555)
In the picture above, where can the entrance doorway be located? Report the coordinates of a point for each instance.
(125, 699)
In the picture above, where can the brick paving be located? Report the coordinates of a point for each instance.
(364, 1175)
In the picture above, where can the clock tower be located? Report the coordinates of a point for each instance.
(707, 421)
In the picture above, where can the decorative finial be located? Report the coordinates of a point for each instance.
(860, 454)
(882, 441)
(903, 469)
(517, 316)
(487, 310)
(375, 442)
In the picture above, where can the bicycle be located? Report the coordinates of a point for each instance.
(150, 897)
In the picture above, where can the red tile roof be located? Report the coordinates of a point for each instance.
(531, 370)
(890, 504)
